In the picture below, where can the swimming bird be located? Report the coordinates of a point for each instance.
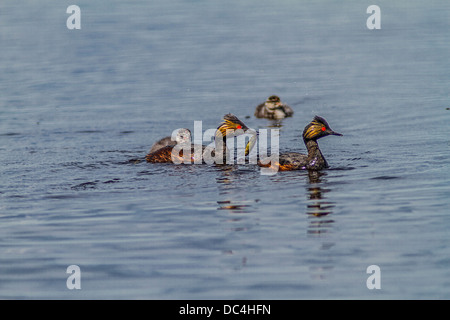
(231, 126)
(273, 108)
(183, 135)
(314, 160)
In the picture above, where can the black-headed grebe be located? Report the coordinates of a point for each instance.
(183, 135)
(273, 108)
(231, 126)
(314, 160)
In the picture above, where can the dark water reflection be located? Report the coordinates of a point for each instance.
(234, 207)
(80, 109)
(319, 209)
(230, 182)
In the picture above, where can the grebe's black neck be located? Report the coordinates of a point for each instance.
(315, 156)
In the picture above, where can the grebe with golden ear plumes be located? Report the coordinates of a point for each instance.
(183, 135)
(314, 160)
(231, 126)
(273, 108)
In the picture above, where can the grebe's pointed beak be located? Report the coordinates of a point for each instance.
(335, 133)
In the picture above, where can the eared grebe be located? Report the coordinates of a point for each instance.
(314, 160)
(183, 135)
(230, 127)
(273, 108)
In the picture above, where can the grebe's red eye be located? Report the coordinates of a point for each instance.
(323, 129)
(239, 127)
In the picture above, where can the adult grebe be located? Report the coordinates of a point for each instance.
(273, 108)
(314, 160)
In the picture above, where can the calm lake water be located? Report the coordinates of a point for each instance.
(77, 105)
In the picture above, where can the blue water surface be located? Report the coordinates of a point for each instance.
(77, 105)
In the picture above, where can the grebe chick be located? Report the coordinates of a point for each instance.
(181, 139)
(183, 135)
(231, 126)
(273, 108)
(314, 160)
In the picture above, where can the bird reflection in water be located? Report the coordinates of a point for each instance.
(236, 211)
(238, 223)
(318, 210)
(317, 207)
(231, 197)
(234, 207)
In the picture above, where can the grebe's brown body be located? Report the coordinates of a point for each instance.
(314, 160)
(231, 126)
